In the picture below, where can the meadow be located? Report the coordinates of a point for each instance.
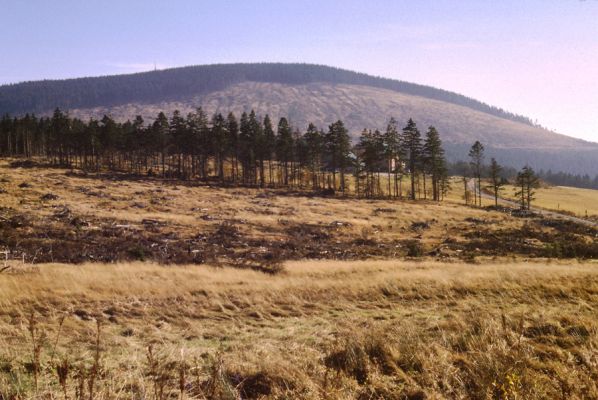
(577, 201)
(122, 287)
(319, 330)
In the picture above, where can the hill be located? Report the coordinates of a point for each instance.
(309, 93)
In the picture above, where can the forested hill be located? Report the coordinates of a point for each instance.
(308, 93)
(171, 84)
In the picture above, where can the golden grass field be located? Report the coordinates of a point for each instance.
(580, 202)
(84, 206)
(320, 330)
(117, 287)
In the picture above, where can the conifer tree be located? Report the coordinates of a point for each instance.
(391, 143)
(246, 154)
(527, 181)
(496, 181)
(476, 154)
(177, 138)
(371, 151)
(433, 155)
(314, 143)
(284, 148)
(338, 147)
(193, 148)
(161, 129)
(232, 129)
(412, 145)
(269, 145)
(219, 142)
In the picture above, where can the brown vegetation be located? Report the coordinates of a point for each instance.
(125, 322)
(321, 329)
(59, 216)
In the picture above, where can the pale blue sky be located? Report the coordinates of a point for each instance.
(534, 57)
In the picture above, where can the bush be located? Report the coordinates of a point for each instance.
(414, 248)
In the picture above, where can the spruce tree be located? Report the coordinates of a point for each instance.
(232, 128)
(434, 160)
(219, 142)
(246, 155)
(476, 154)
(338, 147)
(269, 145)
(391, 143)
(412, 147)
(314, 143)
(284, 148)
(527, 181)
(496, 180)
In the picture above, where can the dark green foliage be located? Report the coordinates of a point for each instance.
(338, 147)
(414, 248)
(435, 163)
(371, 159)
(249, 152)
(412, 148)
(527, 181)
(566, 179)
(476, 155)
(496, 180)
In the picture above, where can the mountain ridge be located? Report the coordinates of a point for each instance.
(218, 76)
(310, 93)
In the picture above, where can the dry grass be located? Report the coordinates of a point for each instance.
(86, 206)
(580, 202)
(369, 329)
(380, 328)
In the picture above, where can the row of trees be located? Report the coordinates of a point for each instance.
(248, 150)
(526, 179)
(566, 179)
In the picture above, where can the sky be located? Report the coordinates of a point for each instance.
(538, 58)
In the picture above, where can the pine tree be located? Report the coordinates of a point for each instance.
(314, 143)
(232, 128)
(246, 154)
(284, 148)
(177, 132)
(371, 153)
(219, 142)
(496, 180)
(412, 147)
(338, 147)
(258, 148)
(527, 181)
(435, 163)
(161, 129)
(391, 143)
(476, 154)
(269, 145)
(189, 147)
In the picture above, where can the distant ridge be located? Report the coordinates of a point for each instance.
(309, 93)
(167, 84)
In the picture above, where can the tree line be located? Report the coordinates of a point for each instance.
(526, 180)
(566, 179)
(246, 150)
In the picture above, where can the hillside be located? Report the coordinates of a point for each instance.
(309, 93)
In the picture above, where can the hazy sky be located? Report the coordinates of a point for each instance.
(533, 57)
